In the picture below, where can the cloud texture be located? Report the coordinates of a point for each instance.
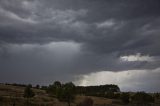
(46, 40)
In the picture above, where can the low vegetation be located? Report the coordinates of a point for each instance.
(59, 94)
(86, 102)
(125, 97)
(142, 98)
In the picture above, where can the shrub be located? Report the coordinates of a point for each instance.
(125, 98)
(63, 92)
(142, 97)
(86, 102)
(109, 95)
(1, 98)
(28, 93)
(66, 93)
(157, 95)
(37, 86)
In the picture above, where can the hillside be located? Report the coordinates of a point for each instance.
(13, 96)
(10, 94)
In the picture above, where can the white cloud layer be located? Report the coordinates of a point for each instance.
(130, 80)
(106, 24)
(137, 57)
(15, 17)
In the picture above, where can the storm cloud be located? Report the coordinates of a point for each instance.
(46, 40)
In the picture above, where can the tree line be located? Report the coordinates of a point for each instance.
(97, 90)
(66, 92)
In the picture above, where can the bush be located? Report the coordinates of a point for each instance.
(37, 86)
(86, 102)
(63, 92)
(66, 93)
(109, 95)
(28, 93)
(142, 97)
(157, 95)
(44, 88)
(125, 98)
(1, 98)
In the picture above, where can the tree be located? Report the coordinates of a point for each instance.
(29, 85)
(56, 88)
(100, 90)
(57, 84)
(125, 98)
(142, 97)
(157, 95)
(28, 93)
(109, 95)
(66, 93)
(37, 86)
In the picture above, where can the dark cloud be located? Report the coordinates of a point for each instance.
(67, 38)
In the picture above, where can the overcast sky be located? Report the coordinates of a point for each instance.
(89, 42)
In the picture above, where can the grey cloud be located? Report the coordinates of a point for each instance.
(104, 31)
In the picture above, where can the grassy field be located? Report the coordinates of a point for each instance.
(13, 96)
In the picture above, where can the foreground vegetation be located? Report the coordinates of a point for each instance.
(58, 94)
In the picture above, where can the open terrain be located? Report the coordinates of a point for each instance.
(13, 96)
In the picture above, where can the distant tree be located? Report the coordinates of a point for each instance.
(57, 84)
(54, 89)
(67, 93)
(28, 93)
(125, 98)
(117, 95)
(37, 86)
(142, 97)
(29, 85)
(157, 95)
(44, 88)
(100, 90)
(110, 95)
(64, 92)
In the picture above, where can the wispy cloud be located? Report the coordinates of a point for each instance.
(137, 57)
